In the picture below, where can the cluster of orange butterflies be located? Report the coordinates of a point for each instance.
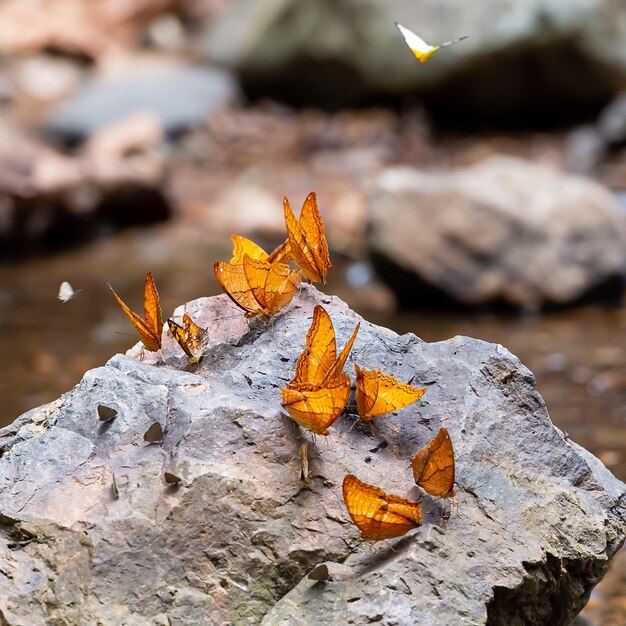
(262, 284)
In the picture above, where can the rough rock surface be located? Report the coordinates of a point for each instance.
(92, 533)
(504, 230)
(528, 57)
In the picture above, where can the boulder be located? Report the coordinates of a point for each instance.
(181, 96)
(210, 524)
(528, 60)
(503, 230)
(49, 199)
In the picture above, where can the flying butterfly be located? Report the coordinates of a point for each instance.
(433, 466)
(258, 287)
(150, 326)
(419, 47)
(190, 337)
(378, 393)
(379, 515)
(66, 292)
(307, 241)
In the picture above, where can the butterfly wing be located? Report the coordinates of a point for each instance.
(152, 308)
(433, 466)
(179, 333)
(416, 44)
(382, 393)
(273, 285)
(232, 280)
(66, 292)
(313, 228)
(366, 392)
(197, 338)
(242, 246)
(337, 368)
(316, 409)
(149, 340)
(281, 254)
(376, 514)
(256, 273)
(281, 286)
(320, 352)
(307, 241)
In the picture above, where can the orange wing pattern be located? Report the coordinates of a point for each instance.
(379, 515)
(320, 352)
(150, 326)
(242, 246)
(307, 241)
(258, 287)
(319, 391)
(378, 393)
(338, 365)
(433, 466)
(317, 408)
(190, 337)
(273, 285)
(281, 254)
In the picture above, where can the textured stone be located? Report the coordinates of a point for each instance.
(92, 533)
(503, 230)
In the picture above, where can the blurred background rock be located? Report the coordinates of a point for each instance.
(482, 193)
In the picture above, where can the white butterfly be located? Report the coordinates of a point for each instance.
(66, 292)
(419, 47)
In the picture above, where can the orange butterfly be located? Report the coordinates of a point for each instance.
(318, 362)
(307, 242)
(317, 408)
(258, 287)
(190, 337)
(378, 393)
(319, 391)
(377, 514)
(433, 466)
(150, 326)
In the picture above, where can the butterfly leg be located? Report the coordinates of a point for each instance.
(354, 423)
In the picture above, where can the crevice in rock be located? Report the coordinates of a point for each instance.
(552, 592)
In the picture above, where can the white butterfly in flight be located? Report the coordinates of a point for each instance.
(419, 47)
(66, 292)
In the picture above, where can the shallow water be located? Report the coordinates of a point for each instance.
(577, 356)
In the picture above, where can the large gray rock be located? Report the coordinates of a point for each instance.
(535, 524)
(503, 230)
(520, 58)
(181, 96)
